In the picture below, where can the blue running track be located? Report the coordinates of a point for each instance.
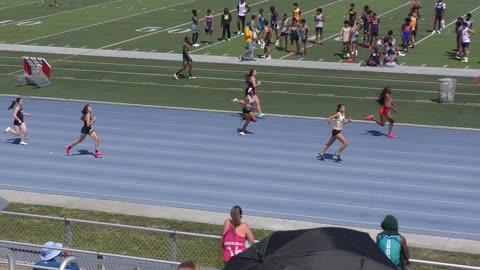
(429, 178)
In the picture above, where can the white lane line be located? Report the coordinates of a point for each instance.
(233, 194)
(272, 82)
(100, 23)
(60, 13)
(264, 185)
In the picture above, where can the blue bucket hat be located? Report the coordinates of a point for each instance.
(48, 253)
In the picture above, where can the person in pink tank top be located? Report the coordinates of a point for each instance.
(235, 233)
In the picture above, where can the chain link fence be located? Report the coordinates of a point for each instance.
(124, 247)
(107, 238)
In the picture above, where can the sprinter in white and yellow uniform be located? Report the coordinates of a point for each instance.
(339, 118)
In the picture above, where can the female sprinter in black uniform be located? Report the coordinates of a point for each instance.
(88, 121)
(18, 122)
(249, 104)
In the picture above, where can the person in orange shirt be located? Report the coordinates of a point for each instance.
(296, 12)
(413, 22)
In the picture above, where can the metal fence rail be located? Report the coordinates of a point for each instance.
(9, 254)
(110, 238)
(29, 254)
(107, 241)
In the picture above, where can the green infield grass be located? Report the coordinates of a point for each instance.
(152, 25)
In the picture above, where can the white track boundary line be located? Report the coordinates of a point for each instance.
(104, 22)
(221, 111)
(60, 13)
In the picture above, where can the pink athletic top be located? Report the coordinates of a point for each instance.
(232, 243)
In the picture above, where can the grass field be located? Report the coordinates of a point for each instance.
(152, 25)
(302, 92)
(107, 239)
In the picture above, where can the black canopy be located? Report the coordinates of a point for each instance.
(313, 249)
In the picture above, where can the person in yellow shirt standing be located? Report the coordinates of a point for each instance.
(248, 39)
(296, 12)
(413, 22)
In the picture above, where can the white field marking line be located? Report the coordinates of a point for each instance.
(269, 73)
(254, 183)
(167, 29)
(60, 13)
(104, 22)
(334, 35)
(234, 36)
(242, 35)
(278, 214)
(239, 80)
(245, 195)
(24, 4)
(446, 26)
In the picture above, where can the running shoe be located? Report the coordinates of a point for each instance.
(241, 133)
(391, 136)
(67, 149)
(234, 100)
(192, 78)
(23, 143)
(175, 76)
(337, 157)
(370, 117)
(291, 52)
(98, 154)
(261, 115)
(349, 59)
(321, 156)
(7, 130)
(269, 57)
(464, 60)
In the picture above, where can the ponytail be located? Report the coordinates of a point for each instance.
(14, 102)
(236, 215)
(84, 111)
